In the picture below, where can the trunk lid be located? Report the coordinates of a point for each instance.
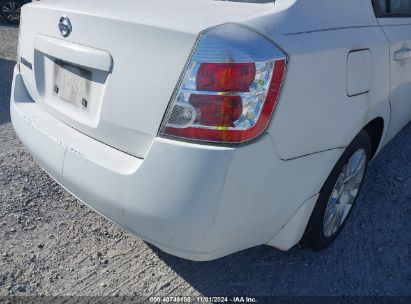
(113, 76)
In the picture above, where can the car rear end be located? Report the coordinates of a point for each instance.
(158, 120)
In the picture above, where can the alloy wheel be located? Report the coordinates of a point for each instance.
(11, 11)
(344, 193)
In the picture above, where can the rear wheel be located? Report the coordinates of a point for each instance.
(338, 195)
(10, 10)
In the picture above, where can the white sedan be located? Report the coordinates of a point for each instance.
(207, 127)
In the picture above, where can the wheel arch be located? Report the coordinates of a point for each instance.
(375, 129)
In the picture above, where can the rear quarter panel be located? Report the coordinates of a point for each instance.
(314, 112)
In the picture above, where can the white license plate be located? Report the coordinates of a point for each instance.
(72, 84)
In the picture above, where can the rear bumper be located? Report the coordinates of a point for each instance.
(194, 201)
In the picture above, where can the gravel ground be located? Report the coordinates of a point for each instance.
(51, 244)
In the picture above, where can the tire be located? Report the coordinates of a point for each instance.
(10, 10)
(324, 226)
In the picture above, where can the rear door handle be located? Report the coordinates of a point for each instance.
(403, 54)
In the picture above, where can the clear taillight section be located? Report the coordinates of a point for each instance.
(229, 89)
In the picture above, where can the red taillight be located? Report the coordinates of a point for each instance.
(229, 90)
(217, 110)
(225, 77)
(226, 135)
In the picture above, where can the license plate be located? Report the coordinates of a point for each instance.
(72, 84)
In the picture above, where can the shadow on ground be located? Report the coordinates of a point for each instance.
(6, 67)
(371, 256)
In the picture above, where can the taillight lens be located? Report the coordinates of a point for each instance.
(229, 90)
(225, 77)
(217, 110)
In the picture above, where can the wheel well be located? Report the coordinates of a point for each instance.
(375, 128)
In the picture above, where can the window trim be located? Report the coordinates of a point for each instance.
(379, 14)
